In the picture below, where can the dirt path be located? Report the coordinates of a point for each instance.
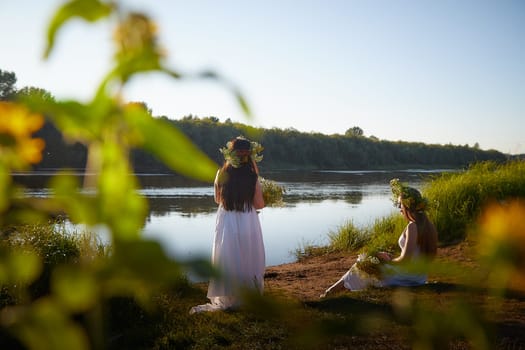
(306, 280)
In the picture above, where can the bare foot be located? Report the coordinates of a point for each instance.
(338, 287)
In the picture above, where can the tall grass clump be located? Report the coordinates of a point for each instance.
(457, 199)
(55, 244)
(385, 232)
(348, 237)
(381, 235)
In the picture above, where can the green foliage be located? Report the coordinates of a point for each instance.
(457, 198)
(43, 311)
(291, 149)
(348, 238)
(386, 233)
(310, 150)
(308, 249)
(354, 132)
(382, 235)
(89, 10)
(7, 85)
(53, 246)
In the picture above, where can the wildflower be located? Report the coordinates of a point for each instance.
(17, 146)
(369, 264)
(410, 197)
(237, 157)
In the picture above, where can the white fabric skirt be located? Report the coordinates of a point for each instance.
(238, 255)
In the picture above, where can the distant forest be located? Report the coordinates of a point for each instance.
(286, 149)
(283, 148)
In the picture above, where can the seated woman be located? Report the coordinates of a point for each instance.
(418, 240)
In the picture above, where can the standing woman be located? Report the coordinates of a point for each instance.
(417, 241)
(238, 248)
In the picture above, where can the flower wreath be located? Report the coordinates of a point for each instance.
(410, 197)
(237, 157)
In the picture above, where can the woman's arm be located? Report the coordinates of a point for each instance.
(410, 243)
(258, 200)
(217, 192)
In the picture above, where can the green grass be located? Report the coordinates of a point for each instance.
(457, 199)
(55, 243)
(348, 237)
(382, 235)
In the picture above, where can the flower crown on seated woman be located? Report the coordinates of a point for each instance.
(237, 157)
(410, 197)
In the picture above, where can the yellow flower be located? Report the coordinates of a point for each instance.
(17, 124)
(502, 241)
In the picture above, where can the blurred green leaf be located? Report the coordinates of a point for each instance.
(146, 259)
(81, 208)
(119, 201)
(89, 10)
(44, 326)
(24, 267)
(241, 100)
(143, 61)
(201, 267)
(74, 288)
(244, 105)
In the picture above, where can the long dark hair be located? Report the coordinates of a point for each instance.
(237, 184)
(427, 235)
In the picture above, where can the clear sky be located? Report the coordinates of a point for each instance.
(438, 72)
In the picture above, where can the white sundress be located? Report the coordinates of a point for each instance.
(355, 279)
(238, 254)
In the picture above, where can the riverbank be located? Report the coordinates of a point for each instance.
(452, 311)
(308, 278)
(502, 317)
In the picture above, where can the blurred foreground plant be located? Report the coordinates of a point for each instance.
(501, 245)
(107, 199)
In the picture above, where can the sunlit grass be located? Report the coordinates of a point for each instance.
(458, 198)
(348, 237)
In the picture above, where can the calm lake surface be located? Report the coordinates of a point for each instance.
(182, 212)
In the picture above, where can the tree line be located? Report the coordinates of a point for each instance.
(292, 149)
(283, 148)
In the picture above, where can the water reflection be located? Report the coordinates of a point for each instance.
(190, 206)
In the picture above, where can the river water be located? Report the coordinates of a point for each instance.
(182, 212)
